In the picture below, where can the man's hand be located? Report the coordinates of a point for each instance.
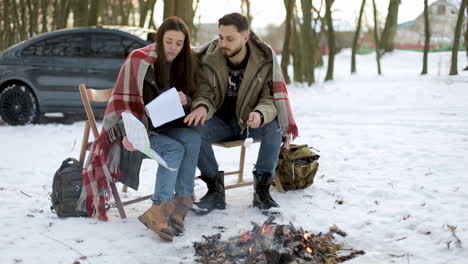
(183, 98)
(127, 145)
(254, 120)
(198, 115)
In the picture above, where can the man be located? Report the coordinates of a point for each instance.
(236, 98)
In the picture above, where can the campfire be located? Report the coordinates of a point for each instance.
(274, 244)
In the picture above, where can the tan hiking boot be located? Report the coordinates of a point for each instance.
(178, 209)
(155, 218)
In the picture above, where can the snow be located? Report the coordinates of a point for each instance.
(393, 147)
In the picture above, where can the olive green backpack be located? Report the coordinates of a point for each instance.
(297, 167)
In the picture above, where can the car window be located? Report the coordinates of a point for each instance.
(112, 46)
(69, 45)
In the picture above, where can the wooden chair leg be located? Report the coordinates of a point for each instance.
(124, 188)
(118, 202)
(241, 165)
(84, 142)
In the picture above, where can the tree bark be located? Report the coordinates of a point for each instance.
(95, 12)
(180, 8)
(80, 13)
(427, 37)
(466, 39)
(331, 39)
(456, 39)
(376, 39)
(285, 58)
(44, 15)
(245, 7)
(356, 38)
(391, 24)
(307, 36)
(297, 51)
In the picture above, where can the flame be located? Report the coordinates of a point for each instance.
(266, 229)
(307, 235)
(250, 250)
(244, 237)
(309, 250)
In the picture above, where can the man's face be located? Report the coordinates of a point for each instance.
(230, 40)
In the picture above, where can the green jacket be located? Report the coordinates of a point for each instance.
(255, 92)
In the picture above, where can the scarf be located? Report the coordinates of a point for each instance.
(103, 164)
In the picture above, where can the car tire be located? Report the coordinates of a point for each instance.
(18, 105)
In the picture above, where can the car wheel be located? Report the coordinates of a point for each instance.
(18, 105)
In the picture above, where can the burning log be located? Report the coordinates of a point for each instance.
(273, 244)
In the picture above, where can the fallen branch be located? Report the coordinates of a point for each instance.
(457, 240)
(26, 194)
(82, 256)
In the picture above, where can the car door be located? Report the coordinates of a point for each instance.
(108, 51)
(58, 66)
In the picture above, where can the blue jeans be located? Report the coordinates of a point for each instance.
(179, 147)
(216, 130)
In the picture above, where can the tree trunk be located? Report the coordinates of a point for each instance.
(456, 39)
(152, 24)
(44, 15)
(391, 24)
(180, 8)
(466, 39)
(376, 39)
(427, 37)
(285, 58)
(306, 35)
(356, 38)
(245, 7)
(297, 51)
(331, 39)
(80, 13)
(95, 12)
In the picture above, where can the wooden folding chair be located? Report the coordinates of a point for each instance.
(92, 95)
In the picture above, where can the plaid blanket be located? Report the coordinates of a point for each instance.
(103, 165)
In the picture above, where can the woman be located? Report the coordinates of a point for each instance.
(147, 73)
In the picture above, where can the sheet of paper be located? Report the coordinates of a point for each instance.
(138, 136)
(165, 108)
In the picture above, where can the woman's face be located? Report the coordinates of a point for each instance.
(173, 41)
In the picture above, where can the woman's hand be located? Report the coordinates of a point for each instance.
(183, 98)
(127, 145)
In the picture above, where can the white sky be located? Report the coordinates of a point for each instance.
(273, 11)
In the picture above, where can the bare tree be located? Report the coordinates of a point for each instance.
(289, 4)
(427, 37)
(391, 24)
(356, 37)
(245, 7)
(180, 8)
(331, 39)
(376, 39)
(80, 13)
(456, 38)
(307, 37)
(95, 12)
(466, 39)
(297, 50)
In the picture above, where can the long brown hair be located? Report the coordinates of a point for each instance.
(183, 70)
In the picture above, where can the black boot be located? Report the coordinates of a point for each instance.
(215, 198)
(262, 198)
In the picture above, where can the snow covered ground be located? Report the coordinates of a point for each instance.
(394, 149)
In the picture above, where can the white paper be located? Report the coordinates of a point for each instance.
(137, 135)
(165, 108)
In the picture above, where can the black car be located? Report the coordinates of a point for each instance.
(42, 74)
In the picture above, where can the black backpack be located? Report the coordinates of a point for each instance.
(66, 189)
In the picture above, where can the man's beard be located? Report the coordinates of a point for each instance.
(234, 53)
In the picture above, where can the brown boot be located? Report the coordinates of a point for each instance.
(178, 209)
(156, 219)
